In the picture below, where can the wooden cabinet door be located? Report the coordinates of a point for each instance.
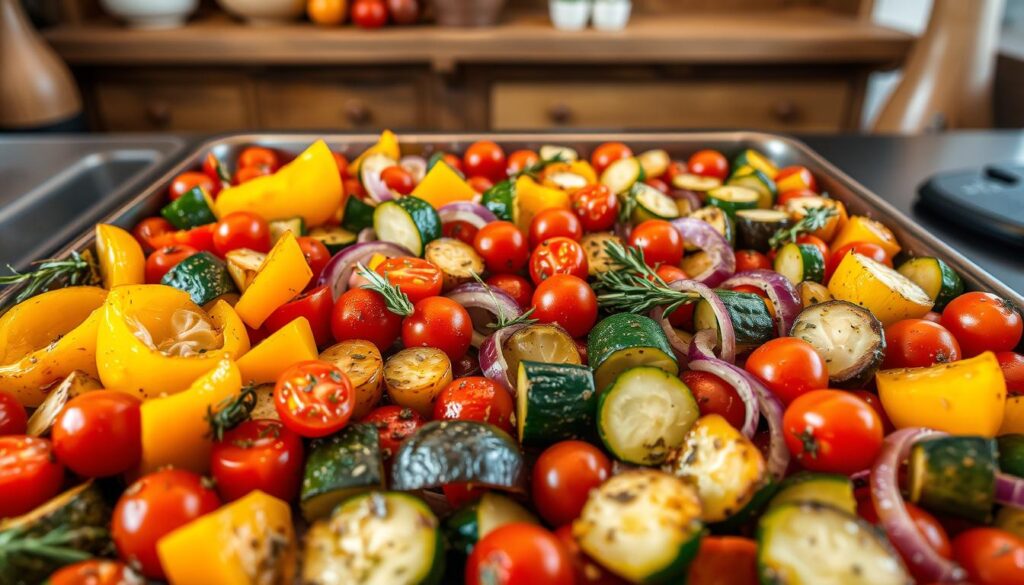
(172, 103)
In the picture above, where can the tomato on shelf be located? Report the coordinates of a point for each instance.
(257, 455)
(30, 474)
(314, 399)
(369, 13)
(557, 255)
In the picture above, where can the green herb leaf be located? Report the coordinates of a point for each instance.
(816, 218)
(77, 270)
(396, 301)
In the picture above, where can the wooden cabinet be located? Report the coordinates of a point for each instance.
(171, 102)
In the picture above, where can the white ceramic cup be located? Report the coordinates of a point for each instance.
(151, 13)
(611, 15)
(570, 15)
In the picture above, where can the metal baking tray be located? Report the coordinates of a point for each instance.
(782, 150)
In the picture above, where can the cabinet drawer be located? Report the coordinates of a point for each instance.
(782, 105)
(142, 105)
(340, 104)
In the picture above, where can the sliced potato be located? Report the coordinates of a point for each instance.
(457, 260)
(265, 403)
(243, 264)
(594, 244)
(361, 362)
(415, 376)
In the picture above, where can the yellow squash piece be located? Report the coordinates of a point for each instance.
(288, 345)
(966, 397)
(129, 364)
(308, 187)
(120, 256)
(362, 363)
(889, 295)
(387, 145)
(442, 186)
(533, 198)
(797, 208)
(1013, 416)
(280, 279)
(174, 428)
(47, 337)
(865, 229)
(247, 542)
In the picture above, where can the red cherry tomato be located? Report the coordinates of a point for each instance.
(563, 476)
(416, 277)
(983, 322)
(154, 506)
(476, 398)
(95, 572)
(709, 163)
(990, 556)
(832, 431)
(502, 246)
(163, 259)
(398, 179)
(660, 242)
(657, 184)
(369, 13)
(751, 260)
(916, 343)
(516, 286)
(353, 187)
(485, 159)
(342, 161)
(13, 418)
(257, 455)
(316, 253)
(876, 403)
(567, 300)
(926, 524)
(316, 305)
(187, 181)
(873, 251)
(480, 184)
(588, 572)
(795, 177)
(241, 229)
(682, 317)
(200, 238)
(246, 174)
(558, 256)
(596, 206)
(715, 396)
(789, 367)
(553, 223)
(29, 474)
(609, 152)
(520, 160)
(724, 560)
(99, 434)
(460, 230)
(519, 554)
(1012, 365)
(314, 398)
(394, 424)
(363, 314)
(454, 162)
(439, 322)
(259, 157)
(149, 229)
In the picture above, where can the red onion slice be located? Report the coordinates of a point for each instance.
(692, 197)
(925, 562)
(752, 410)
(702, 346)
(780, 291)
(700, 233)
(366, 235)
(492, 358)
(341, 266)
(370, 173)
(1010, 490)
(727, 334)
(492, 304)
(467, 211)
(680, 345)
(415, 165)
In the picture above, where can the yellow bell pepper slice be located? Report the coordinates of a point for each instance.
(250, 541)
(120, 256)
(889, 295)
(129, 364)
(309, 186)
(966, 397)
(533, 198)
(442, 185)
(174, 428)
(1013, 416)
(387, 145)
(288, 345)
(282, 276)
(864, 229)
(47, 337)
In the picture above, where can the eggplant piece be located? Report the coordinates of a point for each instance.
(847, 336)
(755, 227)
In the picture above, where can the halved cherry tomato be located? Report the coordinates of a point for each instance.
(316, 305)
(657, 184)
(567, 300)
(982, 321)
(29, 474)
(362, 314)
(152, 507)
(257, 455)
(13, 418)
(596, 206)
(502, 246)
(342, 161)
(715, 396)
(416, 277)
(660, 242)
(150, 228)
(1012, 365)
(260, 157)
(563, 476)
(163, 259)
(485, 159)
(460, 230)
(241, 229)
(516, 286)
(789, 367)
(990, 556)
(398, 179)
(187, 181)
(751, 260)
(873, 251)
(394, 424)
(916, 343)
(520, 160)
(724, 560)
(785, 196)
(795, 177)
(99, 434)
(480, 184)
(476, 398)
(709, 163)
(314, 398)
(439, 322)
(517, 554)
(607, 153)
(832, 431)
(95, 572)
(246, 174)
(316, 253)
(682, 317)
(553, 223)
(588, 572)
(557, 256)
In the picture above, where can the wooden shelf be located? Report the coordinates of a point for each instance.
(790, 37)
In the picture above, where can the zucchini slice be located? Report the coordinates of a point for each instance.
(954, 475)
(554, 402)
(755, 227)
(831, 489)
(935, 277)
(695, 183)
(459, 451)
(595, 247)
(643, 525)
(457, 260)
(652, 204)
(811, 543)
(849, 338)
(731, 199)
(889, 295)
(193, 209)
(812, 293)
(415, 376)
(654, 162)
(623, 341)
(557, 153)
(243, 265)
(645, 414)
(468, 525)
(502, 200)
(362, 363)
(43, 417)
(751, 320)
(717, 219)
(724, 466)
(622, 174)
(203, 276)
(379, 538)
(335, 239)
(339, 466)
(800, 262)
(295, 225)
(408, 221)
(758, 181)
(539, 342)
(357, 214)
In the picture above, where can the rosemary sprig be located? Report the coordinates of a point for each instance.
(815, 219)
(535, 169)
(396, 301)
(634, 286)
(231, 412)
(503, 320)
(61, 544)
(79, 269)
(627, 205)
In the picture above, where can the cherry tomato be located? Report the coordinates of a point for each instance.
(519, 553)
(187, 181)
(398, 179)
(660, 242)
(439, 322)
(460, 230)
(13, 418)
(516, 286)
(567, 300)
(257, 455)
(316, 253)
(789, 367)
(99, 434)
(553, 223)
(558, 256)
(485, 159)
(316, 305)
(353, 187)
(609, 152)
(983, 322)
(675, 168)
(29, 474)
(657, 184)
(916, 343)
(369, 13)
(832, 431)
(1011, 363)
(416, 277)
(795, 177)
(363, 314)
(926, 524)
(563, 476)
(873, 251)
(394, 424)
(990, 556)
(241, 229)
(213, 168)
(875, 402)
(682, 317)
(520, 160)
(259, 157)
(163, 259)
(147, 230)
(480, 184)
(751, 260)
(314, 398)
(502, 246)
(152, 507)
(95, 572)
(715, 396)
(709, 163)
(246, 174)
(200, 238)
(454, 162)
(342, 161)
(476, 398)
(596, 206)
(588, 572)
(724, 560)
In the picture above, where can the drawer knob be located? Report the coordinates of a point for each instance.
(560, 114)
(159, 113)
(786, 111)
(357, 113)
